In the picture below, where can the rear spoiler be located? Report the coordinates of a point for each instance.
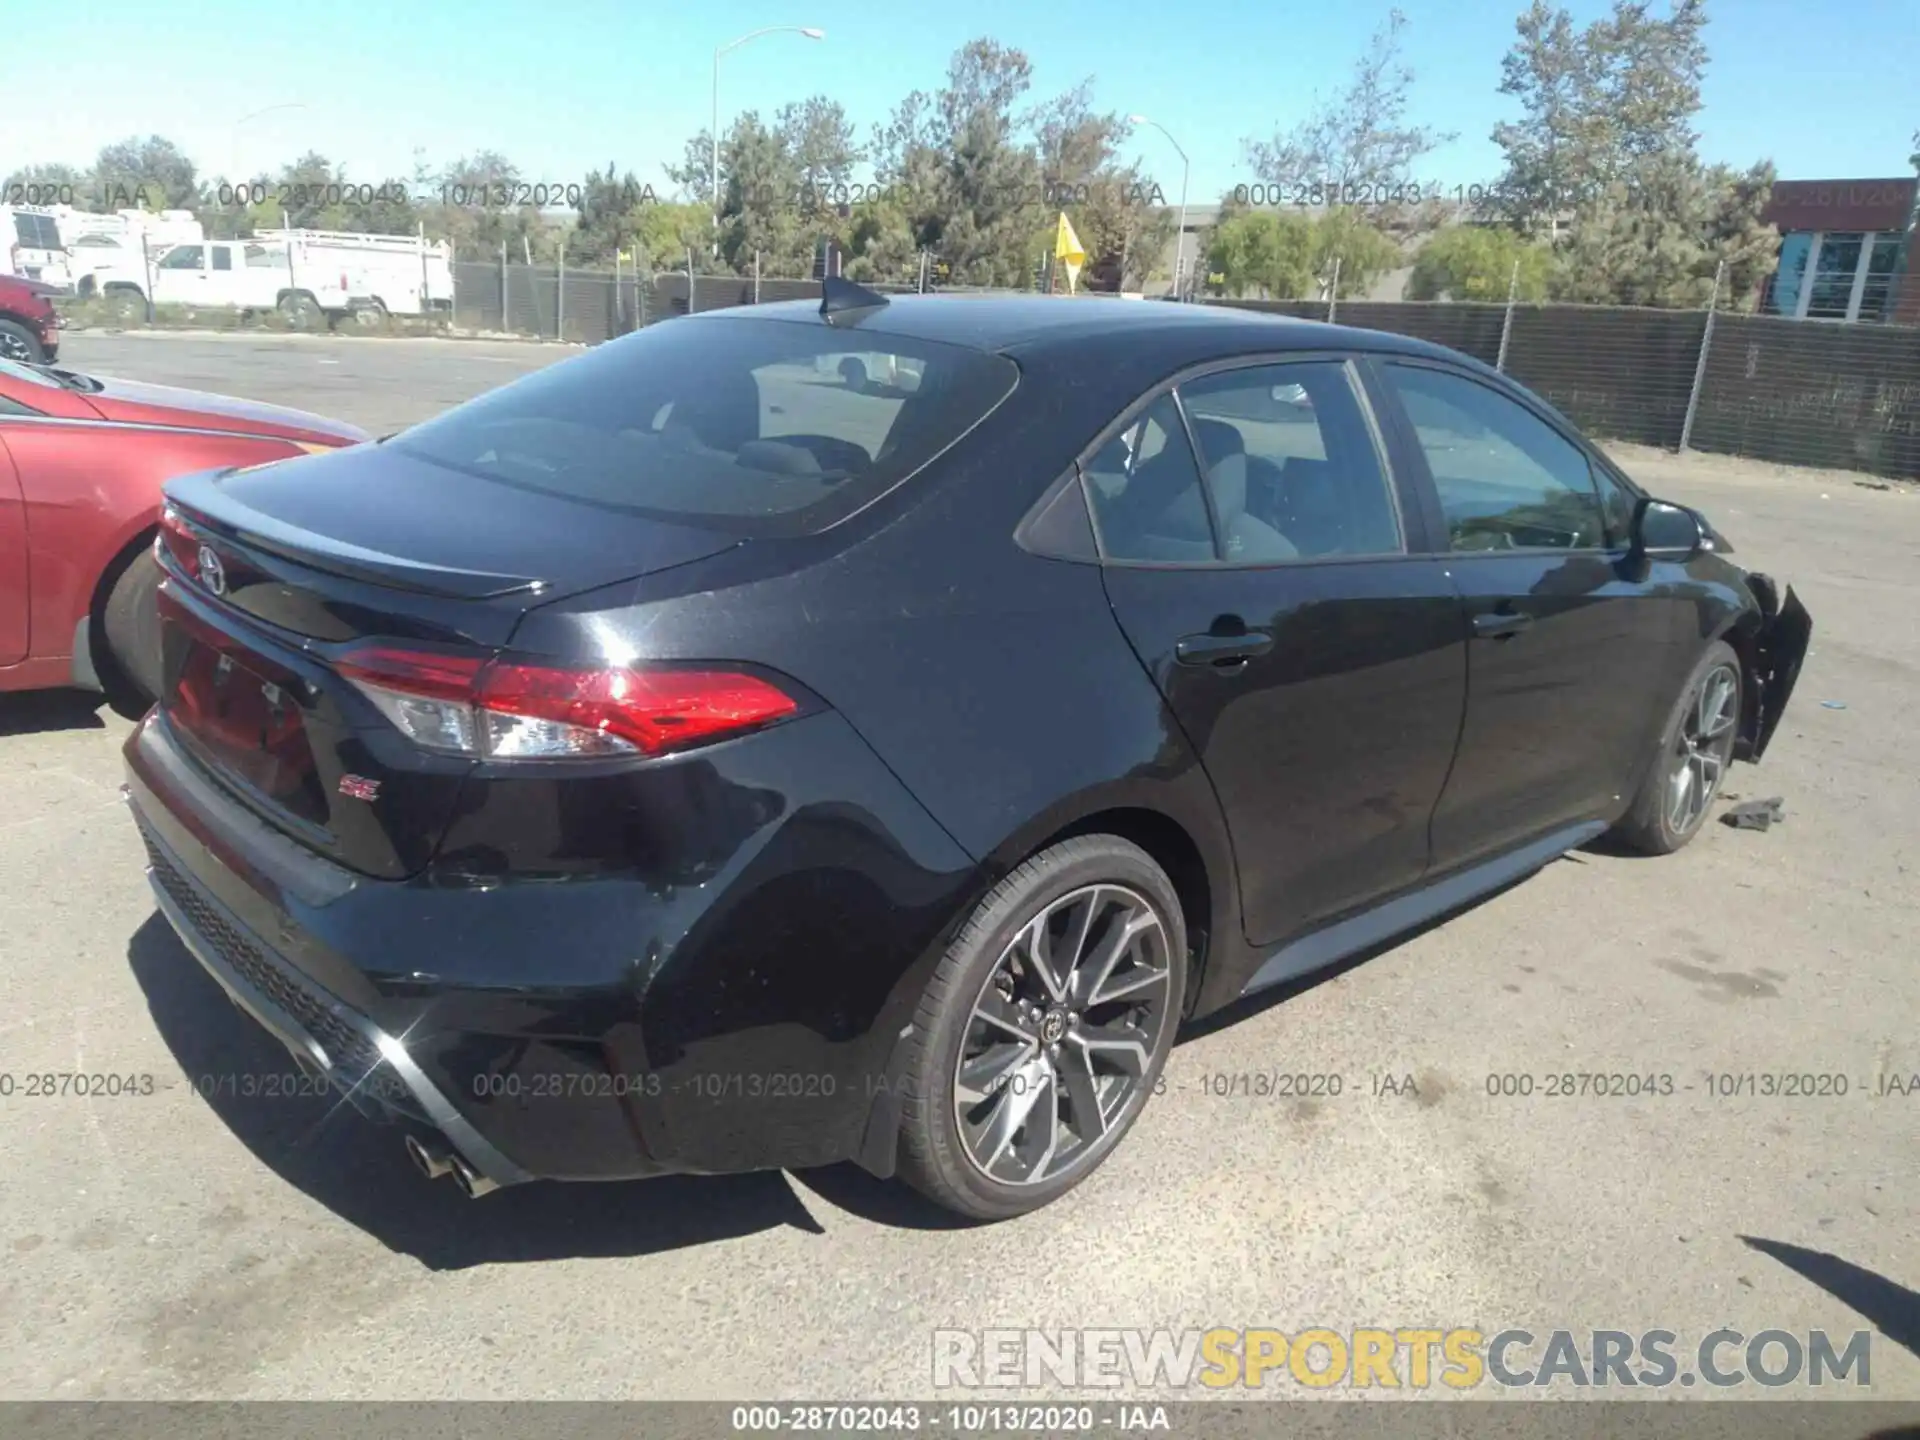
(201, 502)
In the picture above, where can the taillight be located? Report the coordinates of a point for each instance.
(175, 540)
(513, 710)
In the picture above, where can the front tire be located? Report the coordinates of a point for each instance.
(1696, 746)
(19, 344)
(1044, 1029)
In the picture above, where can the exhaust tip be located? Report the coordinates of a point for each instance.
(471, 1182)
(430, 1160)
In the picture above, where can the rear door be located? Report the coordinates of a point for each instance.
(1314, 659)
(224, 278)
(1571, 662)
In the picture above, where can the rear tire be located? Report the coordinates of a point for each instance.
(130, 631)
(127, 306)
(1695, 748)
(1022, 1076)
(303, 312)
(19, 344)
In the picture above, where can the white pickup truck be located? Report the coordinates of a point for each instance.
(308, 274)
(239, 275)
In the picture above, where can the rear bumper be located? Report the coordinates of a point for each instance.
(503, 1018)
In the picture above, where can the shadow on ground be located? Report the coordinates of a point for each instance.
(1891, 1308)
(359, 1169)
(37, 711)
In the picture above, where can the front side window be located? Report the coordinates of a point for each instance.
(183, 257)
(1291, 462)
(735, 423)
(1507, 480)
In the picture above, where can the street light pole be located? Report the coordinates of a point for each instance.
(1180, 236)
(714, 130)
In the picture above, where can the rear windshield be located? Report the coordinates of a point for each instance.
(754, 426)
(36, 232)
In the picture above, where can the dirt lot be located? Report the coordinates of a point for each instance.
(179, 1244)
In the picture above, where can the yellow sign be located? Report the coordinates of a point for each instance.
(1068, 250)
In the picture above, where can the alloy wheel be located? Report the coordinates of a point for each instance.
(13, 348)
(1057, 1048)
(1702, 749)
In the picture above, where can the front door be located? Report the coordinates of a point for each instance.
(1571, 662)
(1315, 664)
(15, 590)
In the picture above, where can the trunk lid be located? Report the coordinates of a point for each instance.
(280, 570)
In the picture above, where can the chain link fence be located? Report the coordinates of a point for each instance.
(1793, 392)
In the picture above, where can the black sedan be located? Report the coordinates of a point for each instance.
(706, 755)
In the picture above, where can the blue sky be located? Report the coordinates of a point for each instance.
(1825, 91)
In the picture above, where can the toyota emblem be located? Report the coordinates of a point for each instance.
(212, 573)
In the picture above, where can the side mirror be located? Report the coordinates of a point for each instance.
(1669, 531)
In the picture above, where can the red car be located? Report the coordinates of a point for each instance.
(81, 464)
(29, 329)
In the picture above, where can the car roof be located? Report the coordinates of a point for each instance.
(1028, 325)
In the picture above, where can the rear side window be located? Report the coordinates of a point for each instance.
(754, 426)
(1145, 491)
(1292, 463)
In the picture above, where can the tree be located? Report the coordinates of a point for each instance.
(1264, 253)
(1480, 262)
(955, 162)
(49, 184)
(1596, 102)
(1290, 254)
(471, 205)
(1359, 139)
(664, 233)
(782, 186)
(611, 216)
(153, 172)
(1118, 211)
(1658, 234)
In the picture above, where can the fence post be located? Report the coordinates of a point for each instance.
(560, 290)
(1333, 295)
(1506, 321)
(756, 277)
(1700, 365)
(504, 324)
(924, 254)
(690, 283)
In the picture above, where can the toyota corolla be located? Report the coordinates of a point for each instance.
(683, 760)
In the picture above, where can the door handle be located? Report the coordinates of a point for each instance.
(1223, 651)
(1500, 625)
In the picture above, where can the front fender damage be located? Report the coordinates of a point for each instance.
(1773, 662)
